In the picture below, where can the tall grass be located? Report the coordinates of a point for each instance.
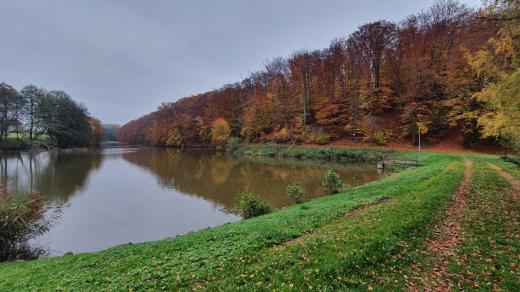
(21, 219)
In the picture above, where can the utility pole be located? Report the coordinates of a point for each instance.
(419, 139)
(419, 128)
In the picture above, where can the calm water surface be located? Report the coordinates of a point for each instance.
(114, 196)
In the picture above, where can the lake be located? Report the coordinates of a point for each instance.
(113, 196)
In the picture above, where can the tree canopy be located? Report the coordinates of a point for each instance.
(35, 111)
(498, 65)
(447, 72)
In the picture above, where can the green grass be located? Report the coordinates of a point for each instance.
(19, 141)
(489, 256)
(39, 137)
(325, 243)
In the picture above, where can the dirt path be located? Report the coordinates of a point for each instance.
(446, 237)
(515, 184)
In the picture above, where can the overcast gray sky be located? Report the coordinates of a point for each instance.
(123, 58)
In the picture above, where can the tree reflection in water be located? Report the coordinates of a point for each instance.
(217, 177)
(55, 175)
(120, 195)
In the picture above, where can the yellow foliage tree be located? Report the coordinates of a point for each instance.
(498, 64)
(97, 131)
(220, 132)
(174, 138)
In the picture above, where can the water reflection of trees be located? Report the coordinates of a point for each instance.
(56, 176)
(217, 177)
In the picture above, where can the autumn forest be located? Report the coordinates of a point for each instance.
(432, 73)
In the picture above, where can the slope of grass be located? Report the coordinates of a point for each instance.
(220, 257)
(365, 238)
(489, 256)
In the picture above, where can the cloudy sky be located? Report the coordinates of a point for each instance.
(123, 58)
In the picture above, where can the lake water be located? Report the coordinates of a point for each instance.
(113, 196)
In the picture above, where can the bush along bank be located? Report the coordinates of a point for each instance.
(385, 158)
(313, 153)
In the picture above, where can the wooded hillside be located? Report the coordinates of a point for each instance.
(431, 72)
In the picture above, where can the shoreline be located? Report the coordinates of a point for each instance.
(400, 208)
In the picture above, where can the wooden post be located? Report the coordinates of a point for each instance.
(419, 139)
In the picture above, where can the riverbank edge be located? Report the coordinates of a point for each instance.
(115, 268)
(315, 153)
(283, 151)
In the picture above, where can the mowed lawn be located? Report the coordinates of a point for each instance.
(39, 137)
(371, 237)
(20, 141)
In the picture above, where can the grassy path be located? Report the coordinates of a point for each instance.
(515, 184)
(447, 236)
(484, 251)
(489, 256)
(383, 235)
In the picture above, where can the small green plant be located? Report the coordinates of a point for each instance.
(251, 205)
(296, 192)
(322, 140)
(332, 182)
(381, 138)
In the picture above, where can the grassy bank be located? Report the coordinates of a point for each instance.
(364, 238)
(20, 141)
(315, 153)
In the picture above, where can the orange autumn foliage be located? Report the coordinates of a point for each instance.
(384, 77)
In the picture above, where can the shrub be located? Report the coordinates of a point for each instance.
(21, 219)
(511, 158)
(251, 205)
(296, 192)
(232, 145)
(322, 140)
(281, 136)
(14, 144)
(381, 138)
(332, 182)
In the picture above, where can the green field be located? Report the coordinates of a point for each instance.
(373, 237)
(39, 137)
(20, 141)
